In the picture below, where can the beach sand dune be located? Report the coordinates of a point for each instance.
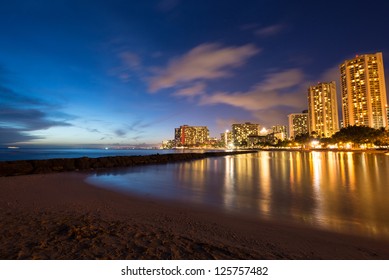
(60, 216)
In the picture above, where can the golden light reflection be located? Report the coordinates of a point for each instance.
(317, 183)
(229, 182)
(332, 190)
(350, 171)
(338, 191)
(264, 182)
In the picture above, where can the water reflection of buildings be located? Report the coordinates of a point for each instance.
(332, 190)
(350, 190)
(338, 191)
(192, 177)
(229, 195)
(264, 182)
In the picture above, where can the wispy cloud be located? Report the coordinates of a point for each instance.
(120, 132)
(270, 30)
(194, 90)
(13, 98)
(17, 124)
(271, 116)
(204, 62)
(132, 130)
(129, 66)
(21, 115)
(27, 119)
(331, 74)
(266, 94)
(223, 124)
(93, 130)
(277, 91)
(10, 136)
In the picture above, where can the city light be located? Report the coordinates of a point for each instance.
(315, 144)
(263, 131)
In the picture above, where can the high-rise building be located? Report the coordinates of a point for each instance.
(387, 115)
(298, 124)
(226, 138)
(241, 132)
(363, 91)
(280, 132)
(323, 109)
(187, 135)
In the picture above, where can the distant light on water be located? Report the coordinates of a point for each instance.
(338, 191)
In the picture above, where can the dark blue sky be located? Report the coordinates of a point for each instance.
(129, 72)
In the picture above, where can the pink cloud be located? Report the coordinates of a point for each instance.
(267, 94)
(270, 30)
(204, 62)
(196, 89)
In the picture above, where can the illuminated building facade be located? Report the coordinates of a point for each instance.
(241, 132)
(226, 138)
(187, 135)
(280, 132)
(387, 115)
(323, 109)
(363, 91)
(298, 124)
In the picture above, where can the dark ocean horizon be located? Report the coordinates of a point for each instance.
(11, 154)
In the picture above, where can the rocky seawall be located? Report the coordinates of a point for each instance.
(25, 167)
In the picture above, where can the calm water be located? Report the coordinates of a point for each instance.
(339, 191)
(35, 153)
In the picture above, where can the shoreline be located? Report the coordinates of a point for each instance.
(60, 216)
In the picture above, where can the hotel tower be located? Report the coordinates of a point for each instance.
(323, 109)
(187, 135)
(298, 124)
(363, 91)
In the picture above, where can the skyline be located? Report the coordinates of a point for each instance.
(73, 73)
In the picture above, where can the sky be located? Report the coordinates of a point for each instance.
(83, 73)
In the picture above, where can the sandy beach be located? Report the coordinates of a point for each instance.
(59, 216)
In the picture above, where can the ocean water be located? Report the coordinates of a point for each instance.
(338, 191)
(7, 154)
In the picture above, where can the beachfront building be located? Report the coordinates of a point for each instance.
(280, 132)
(323, 110)
(257, 140)
(226, 139)
(188, 136)
(363, 91)
(387, 115)
(298, 124)
(241, 132)
(168, 144)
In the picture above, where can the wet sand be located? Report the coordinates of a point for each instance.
(59, 216)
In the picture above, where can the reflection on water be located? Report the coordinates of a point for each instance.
(339, 191)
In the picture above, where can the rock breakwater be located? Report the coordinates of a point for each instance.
(25, 167)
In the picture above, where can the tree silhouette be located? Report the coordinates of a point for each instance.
(357, 134)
